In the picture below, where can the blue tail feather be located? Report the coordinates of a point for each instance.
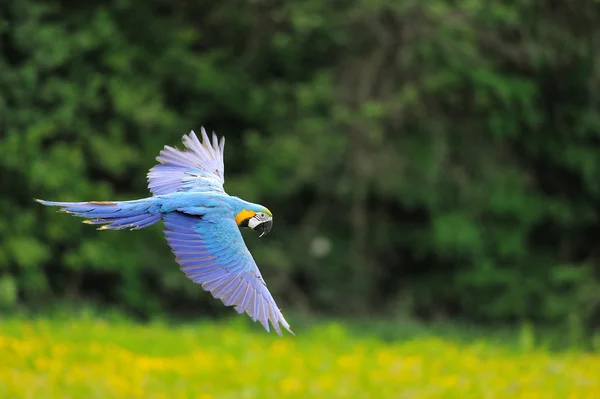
(113, 215)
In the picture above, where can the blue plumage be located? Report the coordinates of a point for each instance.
(201, 225)
(115, 215)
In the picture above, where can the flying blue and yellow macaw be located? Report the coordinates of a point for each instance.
(201, 225)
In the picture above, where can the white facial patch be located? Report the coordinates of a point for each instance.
(257, 219)
(252, 223)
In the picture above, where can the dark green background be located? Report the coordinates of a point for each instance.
(449, 152)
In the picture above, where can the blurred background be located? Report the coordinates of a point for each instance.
(425, 162)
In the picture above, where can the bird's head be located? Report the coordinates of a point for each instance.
(258, 218)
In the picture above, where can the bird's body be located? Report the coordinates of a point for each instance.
(201, 225)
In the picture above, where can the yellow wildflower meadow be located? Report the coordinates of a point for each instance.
(92, 359)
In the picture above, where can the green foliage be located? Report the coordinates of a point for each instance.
(424, 157)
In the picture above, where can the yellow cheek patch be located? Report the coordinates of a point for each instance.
(243, 215)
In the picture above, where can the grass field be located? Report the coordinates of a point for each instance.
(90, 358)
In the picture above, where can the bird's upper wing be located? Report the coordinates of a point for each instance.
(198, 167)
(214, 254)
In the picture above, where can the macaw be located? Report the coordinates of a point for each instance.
(202, 225)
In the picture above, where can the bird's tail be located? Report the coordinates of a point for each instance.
(113, 215)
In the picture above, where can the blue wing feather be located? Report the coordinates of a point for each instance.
(198, 168)
(215, 256)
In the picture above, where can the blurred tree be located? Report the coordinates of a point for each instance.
(439, 157)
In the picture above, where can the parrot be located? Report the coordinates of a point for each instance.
(201, 224)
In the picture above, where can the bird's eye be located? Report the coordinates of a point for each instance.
(261, 216)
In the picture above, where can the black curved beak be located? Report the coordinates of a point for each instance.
(265, 228)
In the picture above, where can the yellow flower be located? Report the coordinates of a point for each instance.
(279, 348)
(91, 359)
(289, 385)
(349, 363)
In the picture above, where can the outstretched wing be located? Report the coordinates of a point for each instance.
(215, 255)
(198, 167)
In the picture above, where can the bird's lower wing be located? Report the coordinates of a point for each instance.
(215, 255)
